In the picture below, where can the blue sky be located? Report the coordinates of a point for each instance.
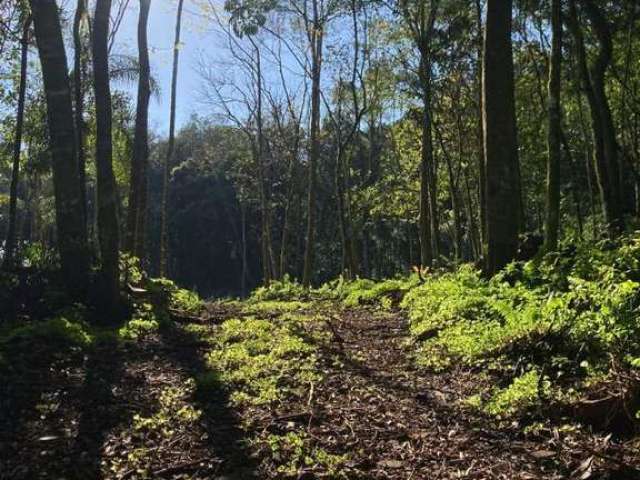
(195, 39)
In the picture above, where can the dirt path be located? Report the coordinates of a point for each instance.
(132, 411)
(396, 423)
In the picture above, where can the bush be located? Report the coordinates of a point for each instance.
(554, 314)
(285, 289)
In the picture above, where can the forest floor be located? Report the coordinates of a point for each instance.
(152, 408)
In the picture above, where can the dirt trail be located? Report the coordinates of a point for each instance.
(401, 424)
(130, 409)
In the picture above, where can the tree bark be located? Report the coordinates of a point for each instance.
(10, 244)
(605, 143)
(78, 73)
(136, 220)
(164, 225)
(72, 233)
(108, 225)
(482, 178)
(554, 138)
(316, 39)
(500, 138)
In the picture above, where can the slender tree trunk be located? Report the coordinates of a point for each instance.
(164, 221)
(243, 274)
(78, 90)
(10, 244)
(72, 233)
(317, 40)
(286, 227)
(605, 144)
(574, 185)
(482, 177)
(425, 223)
(474, 234)
(268, 261)
(554, 140)
(108, 225)
(500, 138)
(138, 182)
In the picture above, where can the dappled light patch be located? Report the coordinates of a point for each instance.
(262, 360)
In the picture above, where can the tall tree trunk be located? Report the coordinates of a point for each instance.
(554, 139)
(316, 40)
(269, 267)
(135, 241)
(426, 158)
(500, 138)
(10, 245)
(605, 143)
(286, 227)
(108, 226)
(164, 225)
(72, 233)
(78, 90)
(574, 184)
(482, 178)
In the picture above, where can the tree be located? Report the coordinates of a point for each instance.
(500, 138)
(80, 18)
(72, 234)
(136, 220)
(108, 226)
(315, 33)
(17, 148)
(164, 228)
(604, 135)
(420, 18)
(554, 136)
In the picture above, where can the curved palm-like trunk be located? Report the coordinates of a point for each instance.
(72, 234)
(136, 219)
(15, 171)
(108, 232)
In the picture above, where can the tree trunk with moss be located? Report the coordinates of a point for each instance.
(554, 138)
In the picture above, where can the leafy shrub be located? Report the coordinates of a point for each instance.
(285, 289)
(363, 291)
(555, 314)
(130, 271)
(185, 300)
(263, 360)
(38, 256)
(523, 393)
(173, 296)
(58, 330)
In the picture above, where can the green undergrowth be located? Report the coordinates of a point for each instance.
(76, 329)
(549, 329)
(547, 332)
(268, 359)
(295, 451)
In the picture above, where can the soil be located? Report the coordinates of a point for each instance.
(73, 417)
